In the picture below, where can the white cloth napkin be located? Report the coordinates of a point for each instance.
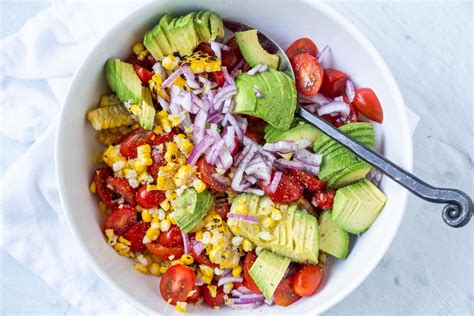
(49, 47)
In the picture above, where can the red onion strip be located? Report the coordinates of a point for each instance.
(275, 181)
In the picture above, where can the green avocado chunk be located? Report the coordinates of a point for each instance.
(123, 80)
(267, 271)
(216, 25)
(253, 52)
(190, 208)
(156, 40)
(147, 116)
(357, 206)
(295, 235)
(299, 132)
(202, 26)
(333, 240)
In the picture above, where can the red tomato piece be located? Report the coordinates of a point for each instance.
(217, 77)
(367, 103)
(222, 208)
(171, 238)
(249, 260)
(284, 294)
(323, 200)
(146, 62)
(209, 299)
(310, 182)
(205, 174)
(123, 188)
(236, 148)
(307, 280)
(100, 179)
(121, 219)
(176, 283)
(289, 189)
(202, 258)
(196, 296)
(149, 199)
(334, 83)
(233, 56)
(136, 234)
(130, 142)
(206, 48)
(302, 46)
(144, 74)
(309, 74)
(254, 136)
(164, 252)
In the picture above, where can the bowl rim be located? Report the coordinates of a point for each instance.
(378, 60)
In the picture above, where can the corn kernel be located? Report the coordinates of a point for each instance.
(265, 235)
(121, 249)
(172, 219)
(146, 216)
(187, 147)
(155, 269)
(212, 290)
(199, 185)
(237, 271)
(142, 260)
(258, 250)
(170, 62)
(175, 119)
(103, 207)
(228, 287)
(199, 236)
(187, 259)
(247, 245)
(135, 110)
(92, 187)
(206, 270)
(124, 241)
(170, 195)
(149, 259)
(140, 268)
(137, 48)
(158, 129)
(163, 269)
(165, 225)
(237, 240)
(181, 306)
(171, 152)
(206, 279)
(111, 155)
(276, 214)
(218, 271)
(268, 223)
(152, 233)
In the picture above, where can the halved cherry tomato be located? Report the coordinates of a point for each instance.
(310, 182)
(202, 258)
(144, 74)
(149, 199)
(196, 296)
(254, 136)
(323, 200)
(217, 77)
(249, 260)
(209, 299)
(307, 280)
(308, 73)
(176, 283)
(130, 142)
(100, 179)
(164, 138)
(135, 236)
(172, 237)
(163, 252)
(340, 120)
(289, 189)
(367, 103)
(205, 173)
(302, 46)
(334, 83)
(284, 294)
(233, 56)
(123, 188)
(121, 219)
(222, 208)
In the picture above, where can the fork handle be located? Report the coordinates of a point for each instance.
(456, 213)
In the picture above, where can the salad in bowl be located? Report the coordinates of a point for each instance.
(209, 181)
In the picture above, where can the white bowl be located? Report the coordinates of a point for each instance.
(284, 21)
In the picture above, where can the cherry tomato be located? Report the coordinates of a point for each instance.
(217, 77)
(205, 174)
(121, 219)
(149, 199)
(334, 83)
(254, 136)
(302, 46)
(123, 188)
(289, 189)
(284, 294)
(171, 238)
(308, 73)
(202, 258)
(222, 208)
(310, 182)
(233, 56)
(144, 74)
(196, 296)
(209, 299)
(135, 236)
(206, 48)
(307, 280)
(146, 62)
(164, 138)
(249, 260)
(176, 283)
(367, 103)
(164, 252)
(130, 142)
(100, 179)
(323, 200)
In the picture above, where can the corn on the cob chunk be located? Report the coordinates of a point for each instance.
(200, 62)
(109, 100)
(112, 135)
(109, 117)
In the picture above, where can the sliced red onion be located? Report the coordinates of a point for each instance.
(200, 149)
(243, 217)
(190, 77)
(216, 49)
(244, 290)
(227, 76)
(318, 98)
(286, 146)
(215, 118)
(198, 282)
(236, 293)
(223, 94)
(335, 107)
(259, 170)
(255, 191)
(233, 122)
(221, 179)
(160, 70)
(198, 247)
(290, 164)
(242, 121)
(230, 279)
(258, 68)
(311, 169)
(241, 167)
(222, 46)
(339, 99)
(322, 53)
(213, 153)
(275, 181)
(270, 302)
(242, 307)
(240, 156)
(199, 126)
(250, 179)
(307, 157)
(312, 107)
(229, 138)
(375, 176)
(225, 158)
(350, 90)
(249, 298)
(186, 243)
(171, 78)
(237, 68)
(227, 106)
(164, 104)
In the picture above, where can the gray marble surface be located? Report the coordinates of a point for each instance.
(429, 269)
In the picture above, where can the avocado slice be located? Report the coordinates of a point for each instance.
(354, 130)
(147, 117)
(333, 240)
(354, 210)
(267, 271)
(216, 26)
(253, 52)
(202, 26)
(183, 35)
(295, 236)
(156, 41)
(123, 80)
(299, 132)
(190, 208)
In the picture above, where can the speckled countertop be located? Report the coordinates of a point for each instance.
(429, 268)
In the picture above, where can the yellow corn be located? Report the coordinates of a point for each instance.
(171, 152)
(92, 187)
(111, 155)
(146, 216)
(158, 129)
(154, 269)
(165, 205)
(276, 214)
(152, 233)
(109, 100)
(124, 241)
(163, 269)
(200, 62)
(122, 249)
(171, 195)
(137, 48)
(163, 183)
(172, 219)
(165, 225)
(236, 271)
(206, 270)
(109, 117)
(143, 158)
(187, 259)
(199, 236)
(247, 245)
(155, 88)
(181, 306)
(162, 117)
(112, 135)
(140, 268)
(212, 290)
(170, 62)
(199, 185)
(184, 175)
(228, 287)
(103, 208)
(187, 147)
(135, 110)
(268, 223)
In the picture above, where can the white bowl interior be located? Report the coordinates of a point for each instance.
(284, 21)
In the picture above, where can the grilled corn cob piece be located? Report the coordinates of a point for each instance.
(109, 117)
(200, 62)
(109, 100)
(112, 135)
